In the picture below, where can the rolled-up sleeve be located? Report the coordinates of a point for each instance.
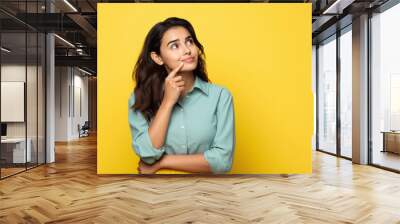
(220, 154)
(141, 141)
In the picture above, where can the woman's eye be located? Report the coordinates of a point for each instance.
(190, 41)
(173, 46)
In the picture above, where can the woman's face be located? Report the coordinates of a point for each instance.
(177, 45)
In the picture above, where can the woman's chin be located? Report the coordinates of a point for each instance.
(188, 67)
(188, 70)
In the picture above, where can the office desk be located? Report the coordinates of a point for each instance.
(391, 141)
(16, 148)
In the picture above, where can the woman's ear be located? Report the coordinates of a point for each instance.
(157, 59)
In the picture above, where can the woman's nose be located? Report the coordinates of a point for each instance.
(187, 50)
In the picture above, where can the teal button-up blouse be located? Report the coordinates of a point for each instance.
(201, 122)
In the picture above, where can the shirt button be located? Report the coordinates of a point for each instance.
(182, 126)
(181, 109)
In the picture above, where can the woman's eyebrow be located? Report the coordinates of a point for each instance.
(188, 37)
(172, 41)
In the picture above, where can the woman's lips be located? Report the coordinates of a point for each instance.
(188, 60)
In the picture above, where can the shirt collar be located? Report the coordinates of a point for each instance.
(201, 85)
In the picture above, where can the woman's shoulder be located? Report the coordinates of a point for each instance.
(131, 100)
(220, 90)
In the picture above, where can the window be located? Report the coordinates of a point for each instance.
(346, 93)
(327, 95)
(385, 88)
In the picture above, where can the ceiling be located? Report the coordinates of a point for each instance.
(76, 22)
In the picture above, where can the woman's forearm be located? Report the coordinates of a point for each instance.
(159, 125)
(195, 163)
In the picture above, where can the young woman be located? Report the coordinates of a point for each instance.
(179, 120)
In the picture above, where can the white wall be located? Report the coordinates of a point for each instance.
(71, 94)
(62, 81)
(81, 103)
(12, 73)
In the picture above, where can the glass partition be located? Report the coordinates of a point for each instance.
(13, 103)
(22, 88)
(327, 95)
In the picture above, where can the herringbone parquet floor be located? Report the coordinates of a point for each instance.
(70, 191)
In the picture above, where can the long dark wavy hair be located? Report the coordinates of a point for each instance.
(150, 76)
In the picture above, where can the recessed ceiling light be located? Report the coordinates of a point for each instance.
(70, 5)
(64, 40)
(338, 6)
(5, 50)
(84, 71)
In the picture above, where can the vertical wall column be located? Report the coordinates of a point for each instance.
(50, 99)
(50, 92)
(360, 89)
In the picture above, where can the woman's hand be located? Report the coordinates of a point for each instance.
(173, 86)
(144, 168)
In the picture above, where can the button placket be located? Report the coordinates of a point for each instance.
(183, 127)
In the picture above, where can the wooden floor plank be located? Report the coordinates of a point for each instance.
(70, 191)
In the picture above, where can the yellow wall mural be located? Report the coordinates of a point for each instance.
(260, 52)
